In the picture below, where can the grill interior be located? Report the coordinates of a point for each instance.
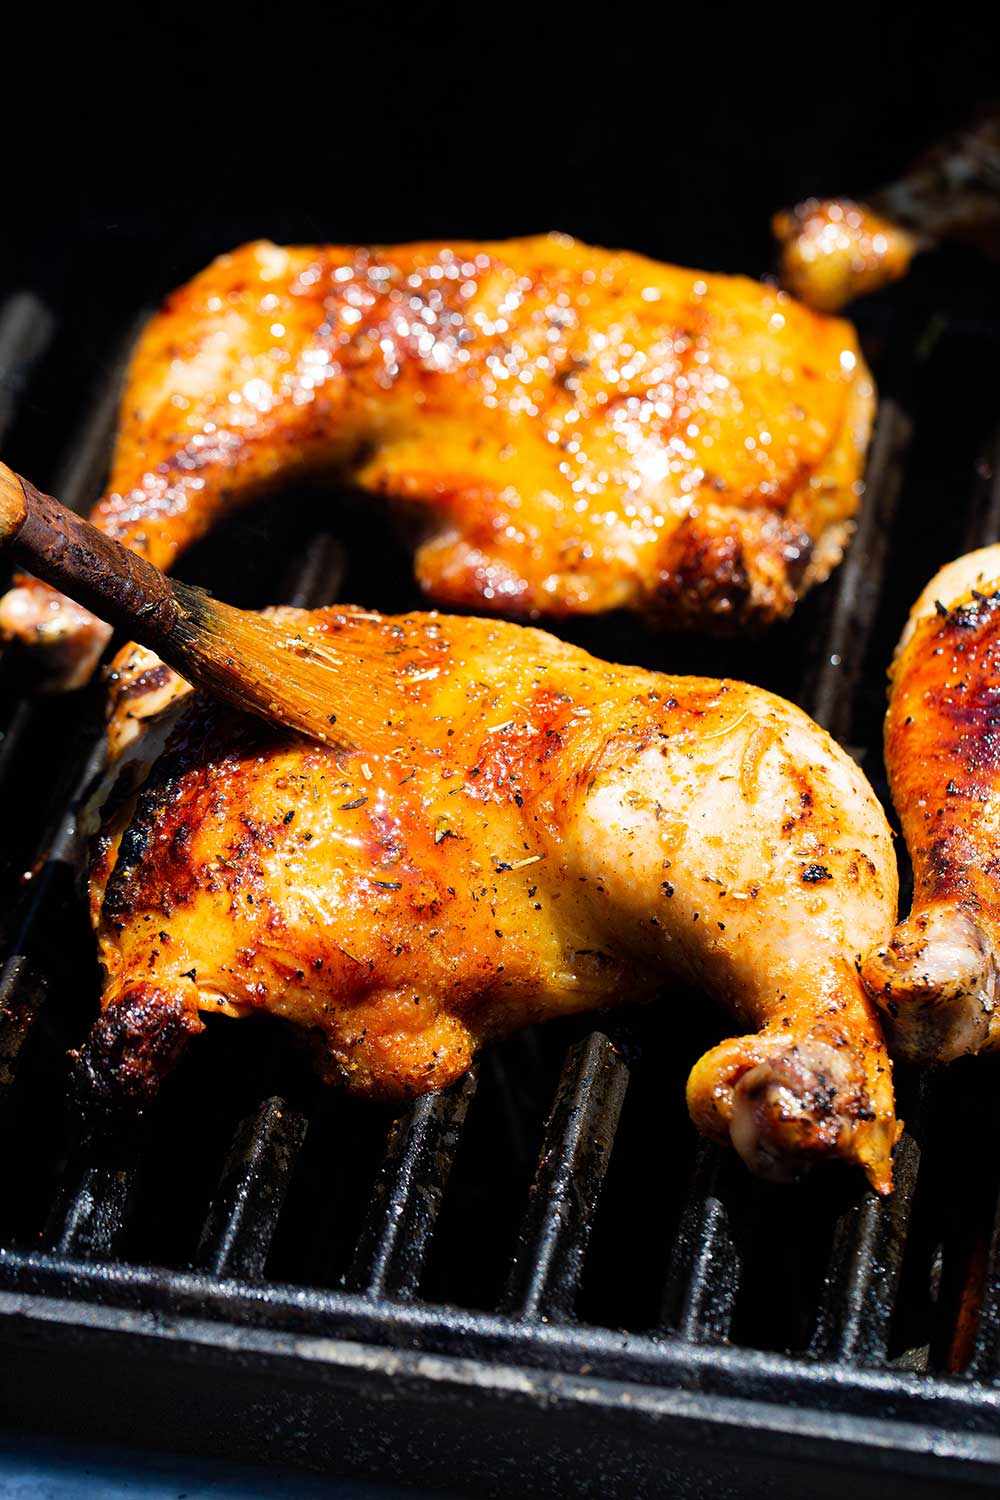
(553, 1213)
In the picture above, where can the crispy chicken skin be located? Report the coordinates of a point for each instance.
(544, 834)
(574, 430)
(936, 980)
(833, 250)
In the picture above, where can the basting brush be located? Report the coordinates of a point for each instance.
(340, 698)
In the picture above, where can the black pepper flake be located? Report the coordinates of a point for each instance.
(289, 815)
(667, 888)
(813, 874)
(190, 974)
(350, 806)
(389, 885)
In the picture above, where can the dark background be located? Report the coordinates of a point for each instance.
(139, 143)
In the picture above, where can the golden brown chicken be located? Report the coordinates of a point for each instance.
(936, 980)
(574, 430)
(543, 834)
(833, 250)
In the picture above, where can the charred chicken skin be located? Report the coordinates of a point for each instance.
(936, 979)
(543, 834)
(573, 430)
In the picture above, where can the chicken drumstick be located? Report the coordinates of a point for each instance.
(936, 980)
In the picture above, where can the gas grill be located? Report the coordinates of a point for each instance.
(539, 1279)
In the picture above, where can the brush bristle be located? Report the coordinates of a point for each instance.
(343, 699)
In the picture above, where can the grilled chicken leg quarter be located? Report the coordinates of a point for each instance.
(543, 834)
(936, 980)
(574, 430)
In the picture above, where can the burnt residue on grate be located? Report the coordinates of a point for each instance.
(545, 1256)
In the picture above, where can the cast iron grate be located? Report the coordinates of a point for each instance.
(547, 1239)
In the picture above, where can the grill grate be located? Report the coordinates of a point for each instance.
(469, 1262)
(579, 1137)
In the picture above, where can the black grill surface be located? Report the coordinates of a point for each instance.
(538, 1280)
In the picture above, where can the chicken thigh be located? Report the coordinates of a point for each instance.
(541, 834)
(570, 430)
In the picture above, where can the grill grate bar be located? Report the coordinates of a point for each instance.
(241, 1222)
(89, 1224)
(316, 579)
(831, 694)
(865, 1267)
(396, 1238)
(25, 976)
(80, 476)
(706, 1267)
(579, 1136)
(984, 1360)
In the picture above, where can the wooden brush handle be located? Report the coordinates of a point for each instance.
(92, 568)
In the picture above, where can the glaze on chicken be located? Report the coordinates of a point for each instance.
(570, 430)
(936, 980)
(834, 250)
(543, 834)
